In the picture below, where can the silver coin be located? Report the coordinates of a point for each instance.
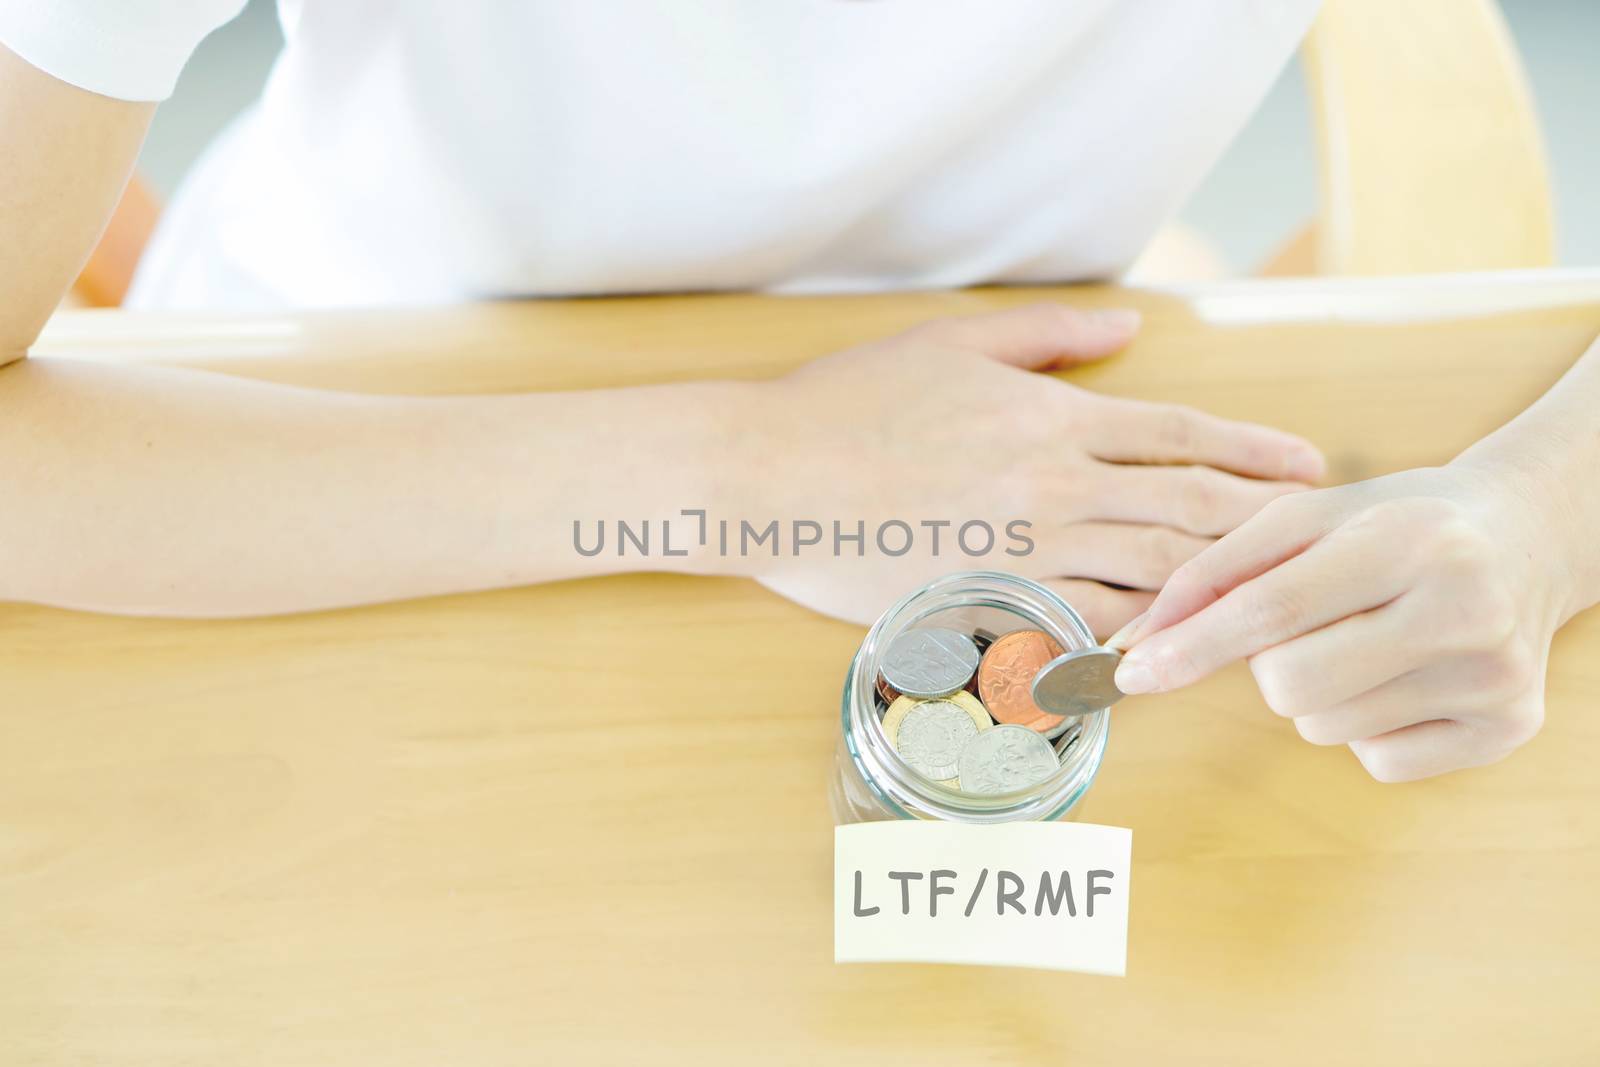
(930, 662)
(1057, 730)
(1005, 758)
(1078, 683)
(1071, 732)
(931, 736)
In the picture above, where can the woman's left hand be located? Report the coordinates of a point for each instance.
(1409, 617)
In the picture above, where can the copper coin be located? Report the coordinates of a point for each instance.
(1005, 678)
(888, 692)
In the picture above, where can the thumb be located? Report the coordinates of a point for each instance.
(1042, 336)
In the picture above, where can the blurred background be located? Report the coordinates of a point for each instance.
(1262, 191)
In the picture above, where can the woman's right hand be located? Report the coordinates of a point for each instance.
(948, 422)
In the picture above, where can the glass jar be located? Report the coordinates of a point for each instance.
(871, 781)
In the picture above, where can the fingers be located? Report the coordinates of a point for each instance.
(1040, 336)
(1103, 608)
(1283, 528)
(1397, 703)
(1333, 578)
(1135, 431)
(1129, 554)
(1462, 711)
(1197, 500)
(1358, 721)
(1418, 751)
(1473, 687)
(1337, 663)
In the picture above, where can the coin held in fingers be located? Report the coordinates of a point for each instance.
(1078, 682)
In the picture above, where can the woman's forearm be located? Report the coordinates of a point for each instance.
(1555, 446)
(175, 492)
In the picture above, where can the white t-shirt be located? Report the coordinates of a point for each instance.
(411, 150)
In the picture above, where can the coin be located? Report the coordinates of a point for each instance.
(1005, 679)
(902, 707)
(1071, 734)
(879, 705)
(1058, 729)
(931, 735)
(886, 692)
(1078, 682)
(929, 662)
(1004, 759)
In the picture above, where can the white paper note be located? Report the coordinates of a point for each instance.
(1021, 894)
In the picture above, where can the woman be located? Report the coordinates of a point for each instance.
(407, 152)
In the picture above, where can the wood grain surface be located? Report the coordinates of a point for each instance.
(586, 823)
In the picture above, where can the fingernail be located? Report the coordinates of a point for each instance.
(1133, 676)
(1123, 639)
(1121, 319)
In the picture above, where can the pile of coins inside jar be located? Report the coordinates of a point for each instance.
(959, 708)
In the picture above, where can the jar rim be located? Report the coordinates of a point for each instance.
(903, 791)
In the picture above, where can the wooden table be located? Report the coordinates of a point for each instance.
(536, 827)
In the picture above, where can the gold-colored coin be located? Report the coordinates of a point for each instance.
(961, 699)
